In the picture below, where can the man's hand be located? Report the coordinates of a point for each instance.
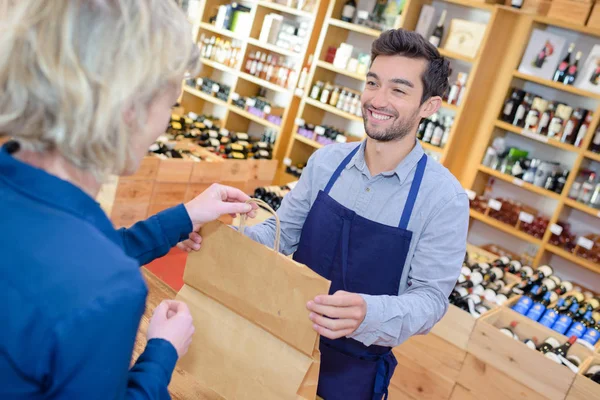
(337, 315)
(215, 201)
(172, 322)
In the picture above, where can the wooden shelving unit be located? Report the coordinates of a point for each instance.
(330, 67)
(518, 27)
(354, 27)
(456, 56)
(235, 118)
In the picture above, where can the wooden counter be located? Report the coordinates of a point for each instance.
(183, 386)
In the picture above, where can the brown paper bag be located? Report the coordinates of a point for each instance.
(253, 337)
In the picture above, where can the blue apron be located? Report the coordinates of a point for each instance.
(359, 256)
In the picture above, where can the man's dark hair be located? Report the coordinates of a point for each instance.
(399, 42)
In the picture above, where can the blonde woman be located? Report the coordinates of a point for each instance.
(86, 87)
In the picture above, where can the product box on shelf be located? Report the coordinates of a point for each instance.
(584, 388)
(513, 358)
(160, 184)
(573, 11)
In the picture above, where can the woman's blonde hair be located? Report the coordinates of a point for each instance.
(70, 68)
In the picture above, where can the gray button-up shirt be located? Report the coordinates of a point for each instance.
(439, 223)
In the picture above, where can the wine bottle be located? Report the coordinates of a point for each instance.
(539, 307)
(436, 37)
(510, 330)
(526, 301)
(561, 351)
(592, 334)
(548, 345)
(561, 70)
(349, 11)
(564, 321)
(571, 74)
(531, 343)
(513, 267)
(580, 325)
(551, 314)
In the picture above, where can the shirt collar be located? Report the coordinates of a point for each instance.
(402, 169)
(48, 189)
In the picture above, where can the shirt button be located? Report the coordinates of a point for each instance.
(368, 189)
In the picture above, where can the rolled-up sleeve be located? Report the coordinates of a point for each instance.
(434, 268)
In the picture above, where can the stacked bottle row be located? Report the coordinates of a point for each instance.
(259, 106)
(584, 246)
(553, 119)
(295, 170)
(271, 68)
(220, 50)
(342, 98)
(586, 188)
(272, 195)
(435, 129)
(210, 87)
(322, 134)
(513, 161)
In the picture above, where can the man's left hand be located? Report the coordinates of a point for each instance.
(338, 315)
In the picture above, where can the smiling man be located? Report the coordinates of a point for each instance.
(383, 222)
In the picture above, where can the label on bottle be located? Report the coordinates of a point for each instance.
(544, 120)
(235, 96)
(508, 109)
(585, 243)
(208, 123)
(348, 12)
(495, 204)
(523, 305)
(532, 119)
(215, 87)
(536, 311)
(549, 318)
(568, 130)
(250, 102)
(319, 130)
(520, 113)
(596, 140)
(453, 95)
(287, 162)
(462, 291)
(562, 324)
(591, 336)
(555, 127)
(577, 329)
(517, 181)
(556, 229)
(471, 194)
(299, 122)
(526, 217)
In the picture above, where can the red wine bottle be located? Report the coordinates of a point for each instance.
(561, 71)
(561, 351)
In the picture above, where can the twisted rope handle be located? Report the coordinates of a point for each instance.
(268, 208)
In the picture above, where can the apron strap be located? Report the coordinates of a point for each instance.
(339, 170)
(412, 194)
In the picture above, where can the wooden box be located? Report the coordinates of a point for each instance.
(428, 367)
(515, 359)
(573, 11)
(594, 20)
(584, 388)
(455, 327)
(535, 7)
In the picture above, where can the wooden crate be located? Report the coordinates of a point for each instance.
(584, 388)
(573, 11)
(594, 20)
(428, 367)
(515, 359)
(455, 327)
(161, 184)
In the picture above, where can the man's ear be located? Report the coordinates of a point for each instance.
(430, 107)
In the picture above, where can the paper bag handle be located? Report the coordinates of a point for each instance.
(268, 208)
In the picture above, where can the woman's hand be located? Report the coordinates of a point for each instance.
(214, 202)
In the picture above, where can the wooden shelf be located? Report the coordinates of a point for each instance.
(253, 117)
(285, 9)
(567, 25)
(430, 147)
(511, 230)
(307, 141)
(449, 106)
(333, 110)
(474, 4)
(539, 138)
(456, 56)
(262, 82)
(354, 27)
(222, 32)
(519, 182)
(273, 48)
(219, 66)
(205, 96)
(330, 67)
(592, 156)
(582, 262)
(582, 207)
(556, 85)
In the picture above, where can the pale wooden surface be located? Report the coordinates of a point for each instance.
(183, 386)
(584, 388)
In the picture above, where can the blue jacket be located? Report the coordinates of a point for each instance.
(72, 294)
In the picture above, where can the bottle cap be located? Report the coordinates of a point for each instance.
(572, 339)
(513, 324)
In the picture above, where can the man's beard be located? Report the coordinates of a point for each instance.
(399, 130)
